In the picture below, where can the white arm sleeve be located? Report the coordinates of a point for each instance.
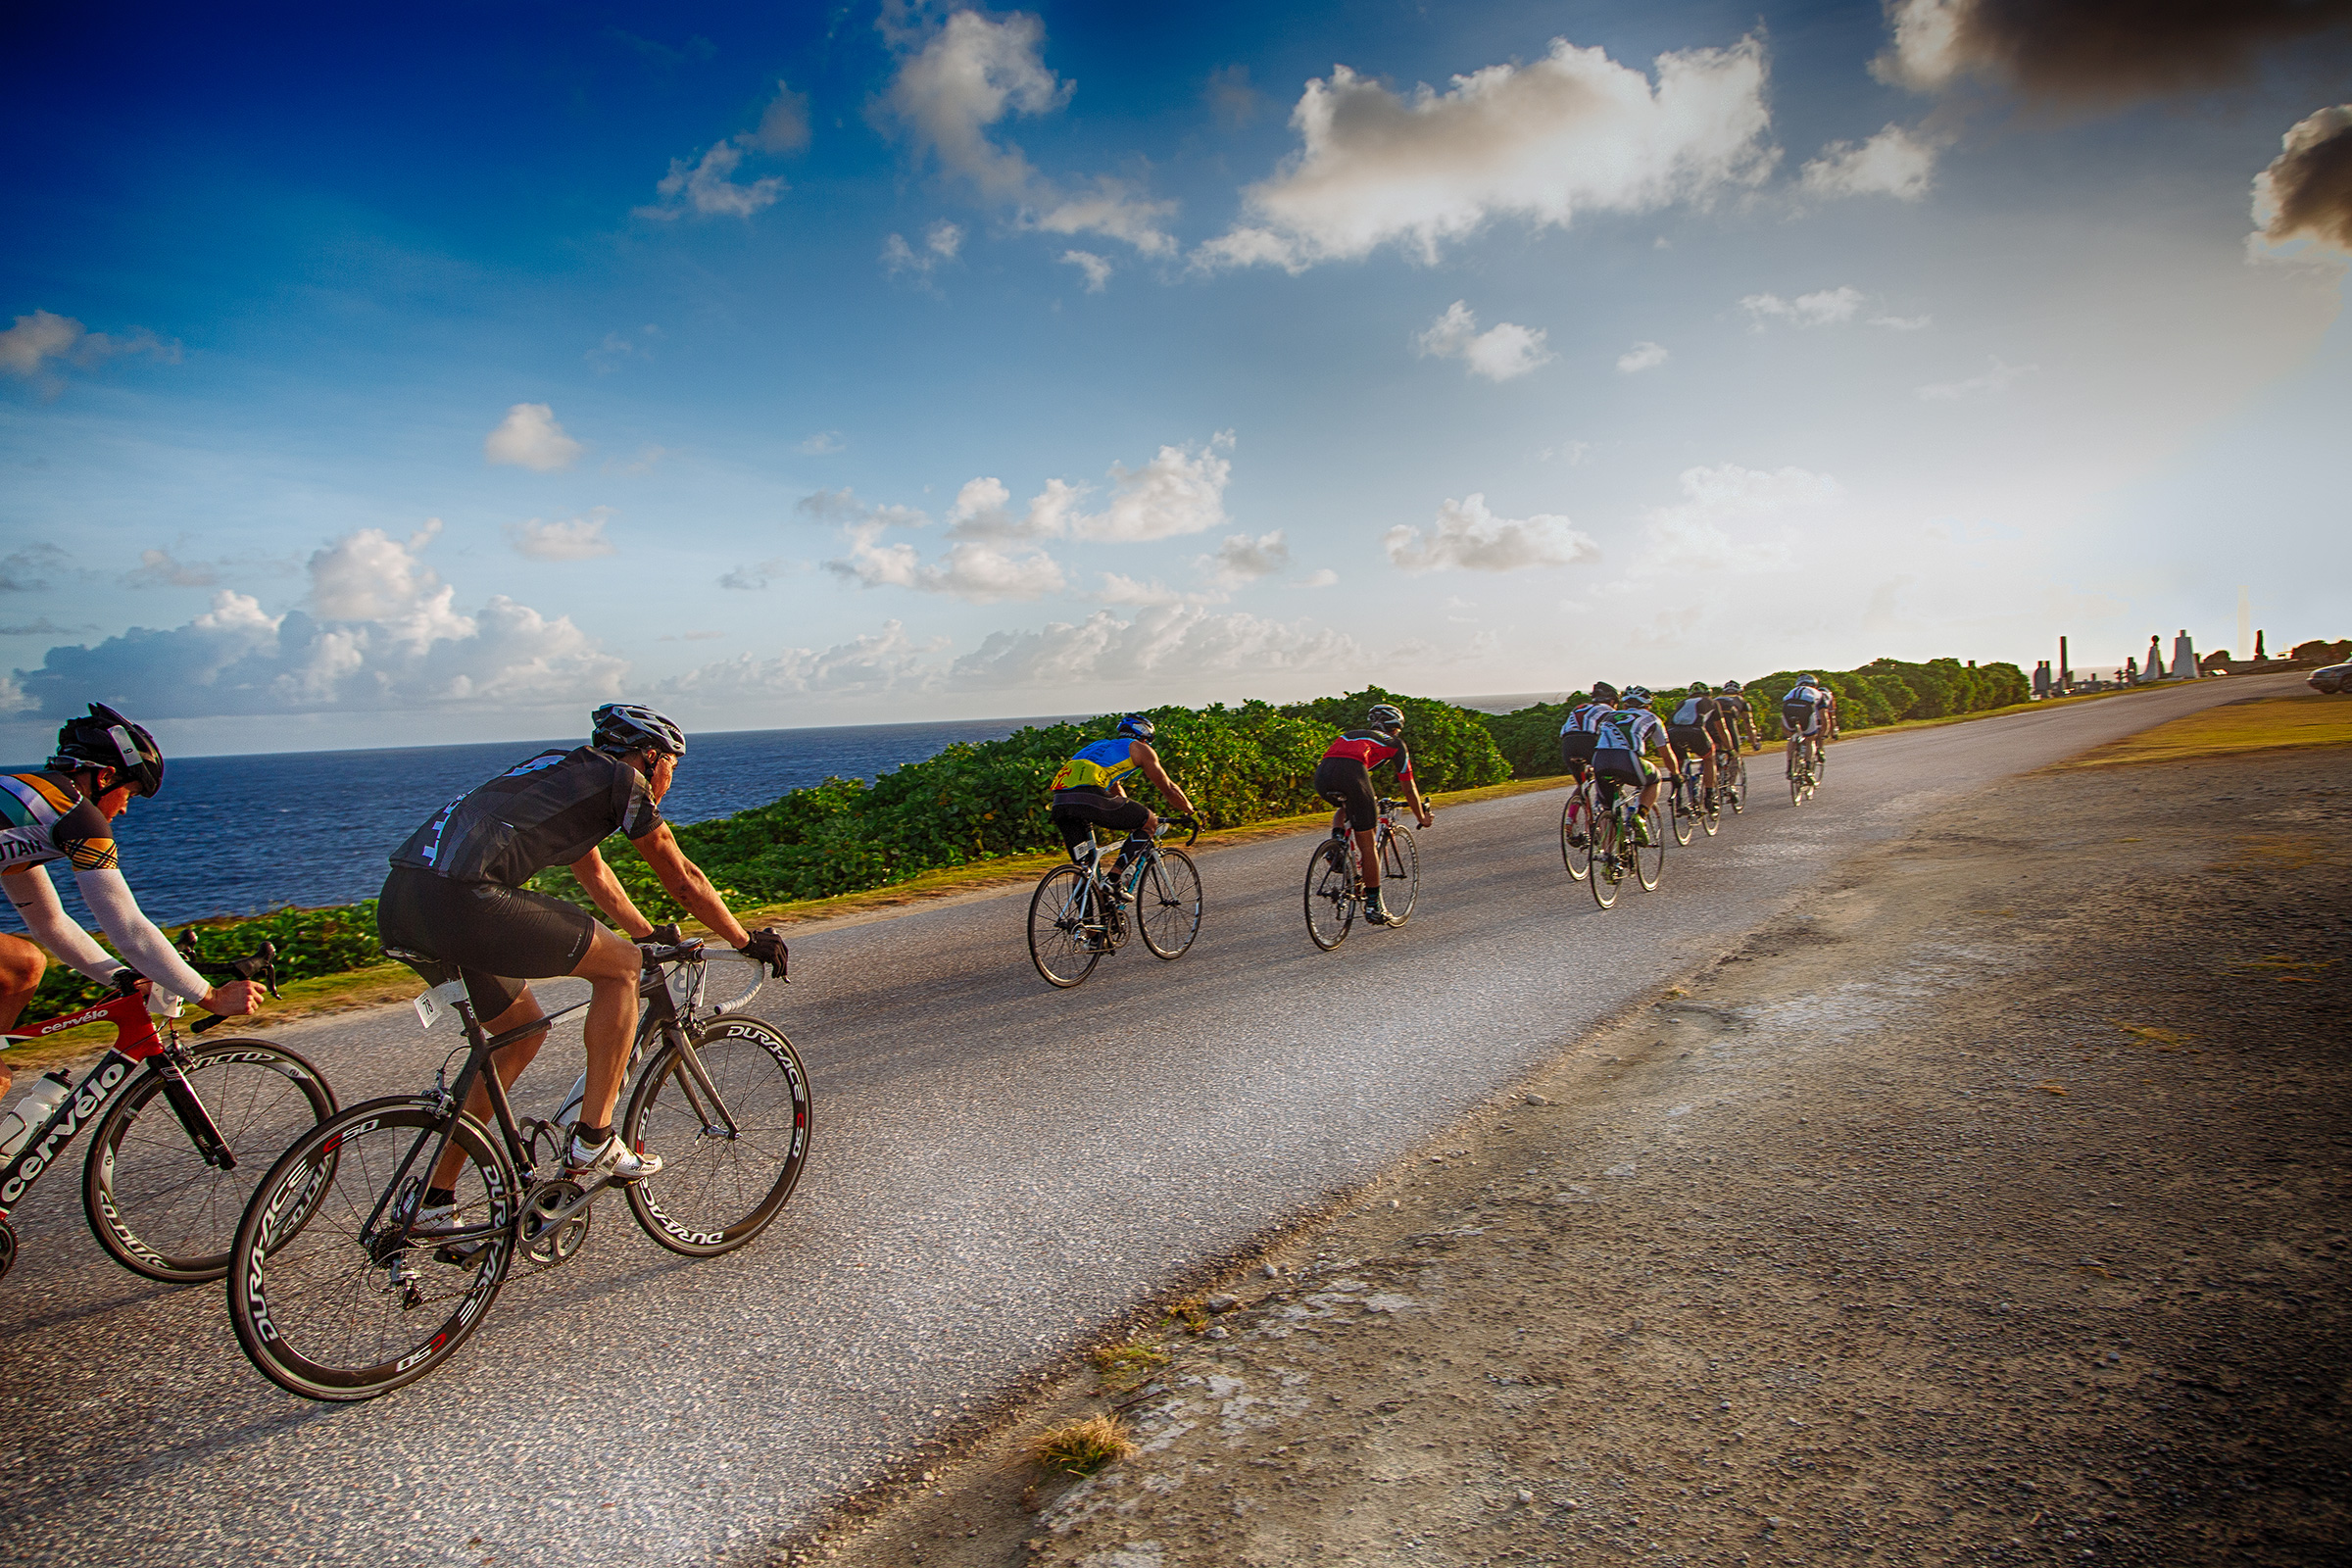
(36, 899)
(142, 946)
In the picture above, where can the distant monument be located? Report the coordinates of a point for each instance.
(2184, 656)
(2042, 679)
(2066, 674)
(2129, 673)
(2152, 668)
(2260, 657)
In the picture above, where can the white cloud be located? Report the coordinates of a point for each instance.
(1712, 529)
(822, 444)
(1162, 643)
(1120, 589)
(1467, 537)
(975, 72)
(1893, 163)
(1641, 357)
(942, 242)
(706, 190)
(975, 570)
(887, 661)
(530, 437)
(2303, 201)
(379, 632)
(160, 569)
(1320, 577)
(1180, 491)
(1998, 379)
(983, 511)
(572, 539)
(1575, 452)
(1903, 323)
(783, 124)
(1570, 130)
(1243, 559)
(1825, 307)
(44, 339)
(1096, 268)
(1501, 352)
(607, 356)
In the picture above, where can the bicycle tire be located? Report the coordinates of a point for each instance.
(1607, 870)
(1649, 860)
(1330, 897)
(1685, 821)
(1740, 789)
(713, 1191)
(152, 1201)
(1577, 857)
(305, 1279)
(1710, 815)
(1168, 903)
(1058, 944)
(1399, 863)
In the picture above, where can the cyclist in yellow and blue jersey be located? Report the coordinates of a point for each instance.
(1088, 792)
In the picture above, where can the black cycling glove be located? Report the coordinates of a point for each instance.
(766, 947)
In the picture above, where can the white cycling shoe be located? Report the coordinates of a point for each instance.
(611, 1158)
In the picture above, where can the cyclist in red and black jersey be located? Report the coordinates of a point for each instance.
(1345, 778)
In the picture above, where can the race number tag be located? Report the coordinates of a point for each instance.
(435, 1005)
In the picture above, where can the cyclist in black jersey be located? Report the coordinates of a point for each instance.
(1740, 716)
(67, 813)
(455, 908)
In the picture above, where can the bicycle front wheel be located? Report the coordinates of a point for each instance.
(1608, 865)
(324, 1301)
(1168, 903)
(1685, 813)
(1740, 786)
(1061, 945)
(1649, 860)
(1330, 898)
(1400, 875)
(732, 1136)
(1576, 835)
(153, 1200)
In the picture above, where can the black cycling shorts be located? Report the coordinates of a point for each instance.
(1576, 750)
(1617, 765)
(1078, 813)
(1346, 783)
(1693, 738)
(505, 935)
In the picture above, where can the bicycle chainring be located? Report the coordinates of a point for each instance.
(546, 1244)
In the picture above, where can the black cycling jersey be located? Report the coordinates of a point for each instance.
(549, 810)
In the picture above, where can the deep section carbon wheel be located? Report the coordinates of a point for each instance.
(331, 1298)
(730, 1115)
(153, 1200)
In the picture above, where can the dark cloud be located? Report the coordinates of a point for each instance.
(23, 571)
(2100, 50)
(2307, 191)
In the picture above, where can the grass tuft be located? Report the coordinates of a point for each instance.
(1082, 1448)
(1123, 1366)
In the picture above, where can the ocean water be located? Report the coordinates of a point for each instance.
(237, 835)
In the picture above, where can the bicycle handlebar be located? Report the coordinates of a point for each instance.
(1167, 824)
(260, 964)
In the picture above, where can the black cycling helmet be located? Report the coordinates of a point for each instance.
(618, 727)
(1604, 691)
(1139, 726)
(106, 738)
(1731, 685)
(1385, 716)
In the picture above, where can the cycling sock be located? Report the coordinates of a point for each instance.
(440, 1198)
(588, 1137)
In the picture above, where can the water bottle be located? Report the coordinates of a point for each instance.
(49, 1092)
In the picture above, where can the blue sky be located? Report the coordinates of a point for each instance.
(440, 377)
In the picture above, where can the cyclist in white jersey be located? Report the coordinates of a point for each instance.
(1807, 714)
(1627, 733)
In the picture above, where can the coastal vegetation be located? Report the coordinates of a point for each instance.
(976, 802)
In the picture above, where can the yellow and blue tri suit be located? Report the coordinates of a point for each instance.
(1098, 766)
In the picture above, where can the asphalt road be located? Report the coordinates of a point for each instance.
(997, 1167)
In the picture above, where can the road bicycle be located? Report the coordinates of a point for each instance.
(1804, 768)
(1080, 912)
(1579, 815)
(1617, 853)
(338, 1288)
(1334, 884)
(184, 1131)
(1730, 779)
(1695, 806)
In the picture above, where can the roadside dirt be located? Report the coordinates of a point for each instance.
(1988, 1207)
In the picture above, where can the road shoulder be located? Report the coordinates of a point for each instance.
(1988, 1206)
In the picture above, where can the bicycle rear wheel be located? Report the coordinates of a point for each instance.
(1739, 784)
(1684, 813)
(1710, 814)
(718, 1189)
(1330, 899)
(322, 1301)
(1608, 870)
(1649, 860)
(1399, 875)
(1576, 835)
(153, 1201)
(1058, 941)
(1168, 903)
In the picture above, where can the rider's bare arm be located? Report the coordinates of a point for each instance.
(685, 882)
(610, 896)
(1148, 760)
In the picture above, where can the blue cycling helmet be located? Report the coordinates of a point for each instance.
(1138, 726)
